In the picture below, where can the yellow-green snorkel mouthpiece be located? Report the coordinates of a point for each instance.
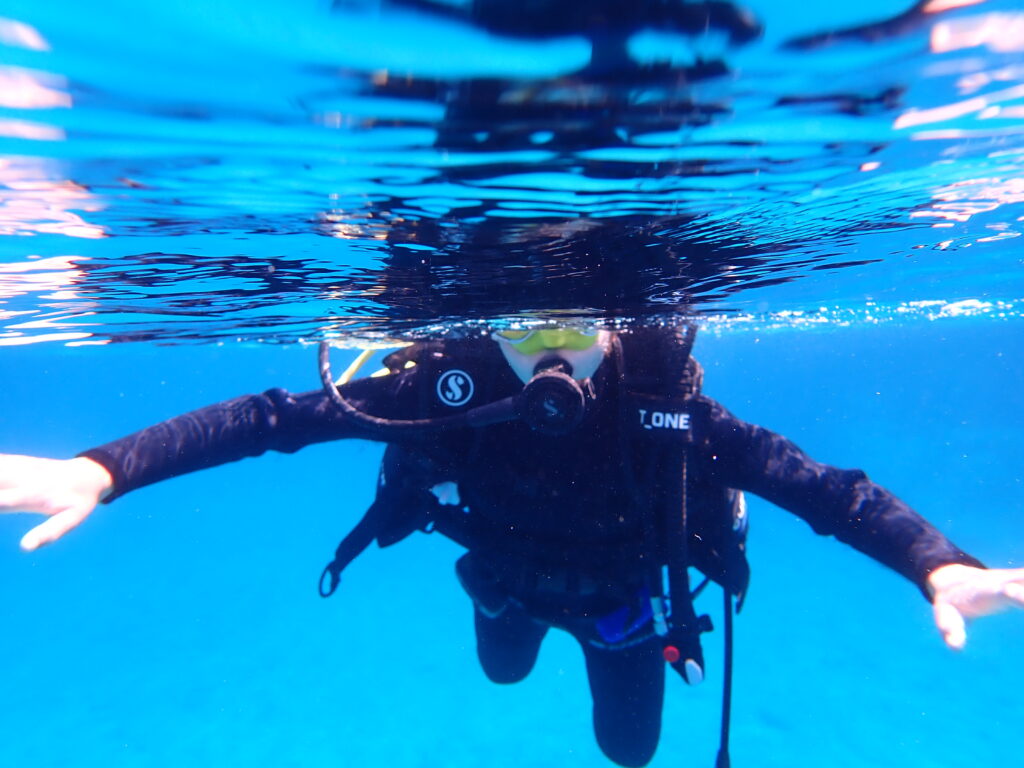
(532, 342)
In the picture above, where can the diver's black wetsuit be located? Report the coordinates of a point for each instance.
(548, 520)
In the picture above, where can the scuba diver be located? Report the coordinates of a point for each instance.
(584, 473)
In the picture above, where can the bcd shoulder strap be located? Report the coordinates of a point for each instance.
(659, 378)
(656, 391)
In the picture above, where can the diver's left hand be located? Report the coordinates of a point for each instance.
(962, 592)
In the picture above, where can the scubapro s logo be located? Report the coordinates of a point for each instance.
(454, 387)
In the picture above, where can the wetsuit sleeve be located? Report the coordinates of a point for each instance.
(842, 503)
(246, 426)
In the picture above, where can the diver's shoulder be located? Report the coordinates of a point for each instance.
(477, 361)
(711, 420)
(475, 350)
(702, 405)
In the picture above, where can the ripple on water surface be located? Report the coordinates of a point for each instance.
(367, 170)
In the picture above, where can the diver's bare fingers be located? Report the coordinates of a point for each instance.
(52, 529)
(1014, 590)
(951, 624)
(12, 501)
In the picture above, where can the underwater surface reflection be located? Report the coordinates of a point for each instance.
(263, 171)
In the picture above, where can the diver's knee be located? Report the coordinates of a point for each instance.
(503, 674)
(629, 753)
(507, 646)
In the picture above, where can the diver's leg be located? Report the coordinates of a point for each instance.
(628, 686)
(507, 638)
(507, 644)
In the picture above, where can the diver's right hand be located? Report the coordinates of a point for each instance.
(66, 491)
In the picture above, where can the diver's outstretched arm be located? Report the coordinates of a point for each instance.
(847, 505)
(65, 490)
(68, 490)
(962, 592)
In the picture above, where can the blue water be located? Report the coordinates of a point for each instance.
(182, 623)
(189, 192)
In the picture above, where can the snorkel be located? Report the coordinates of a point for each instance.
(554, 365)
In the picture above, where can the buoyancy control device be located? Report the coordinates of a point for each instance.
(658, 377)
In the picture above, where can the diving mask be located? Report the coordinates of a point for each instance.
(582, 351)
(531, 342)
